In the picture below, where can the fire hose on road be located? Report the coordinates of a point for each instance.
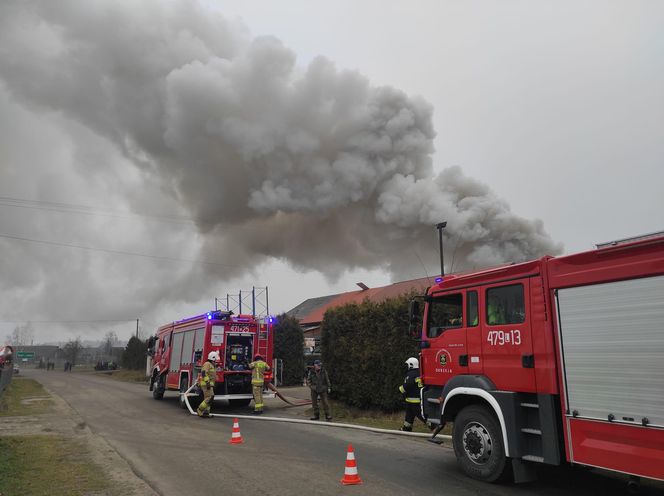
(310, 422)
(283, 398)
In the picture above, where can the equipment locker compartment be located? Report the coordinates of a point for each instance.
(612, 349)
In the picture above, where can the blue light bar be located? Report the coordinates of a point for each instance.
(438, 280)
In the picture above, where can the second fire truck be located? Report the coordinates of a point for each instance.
(178, 350)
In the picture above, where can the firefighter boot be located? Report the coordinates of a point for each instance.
(407, 427)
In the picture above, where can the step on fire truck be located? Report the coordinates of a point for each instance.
(178, 350)
(550, 361)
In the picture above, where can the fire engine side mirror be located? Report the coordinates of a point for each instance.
(414, 311)
(414, 319)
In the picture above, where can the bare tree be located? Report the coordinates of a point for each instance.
(72, 349)
(110, 340)
(21, 335)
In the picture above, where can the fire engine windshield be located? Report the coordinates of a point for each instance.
(445, 312)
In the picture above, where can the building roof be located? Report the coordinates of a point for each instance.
(308, 306)
(311, 311)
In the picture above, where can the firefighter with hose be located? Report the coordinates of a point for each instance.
(411, 390)
(258, 368)
(206, 382)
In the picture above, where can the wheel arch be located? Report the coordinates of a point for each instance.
(460, 397)
(153, 376)
(182, 374)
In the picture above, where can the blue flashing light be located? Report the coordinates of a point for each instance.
(209, 316)
(438, 280)
(271, 320)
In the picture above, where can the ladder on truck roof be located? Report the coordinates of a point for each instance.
(623, 241)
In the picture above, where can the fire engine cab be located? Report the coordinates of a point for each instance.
(178, 350)
(550, 361)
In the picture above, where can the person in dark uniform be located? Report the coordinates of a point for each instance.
(319, 383)
(410, 389)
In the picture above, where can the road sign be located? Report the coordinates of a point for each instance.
(25, 354)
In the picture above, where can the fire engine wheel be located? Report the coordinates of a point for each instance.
(478, 444)
(158, 386)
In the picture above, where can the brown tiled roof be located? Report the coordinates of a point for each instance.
(316, 307)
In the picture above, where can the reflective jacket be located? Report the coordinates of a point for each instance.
(208, 375)
(411, 386)
(258, 367)
(495, 314)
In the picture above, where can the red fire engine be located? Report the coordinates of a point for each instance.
(178, 351)
(552, 360)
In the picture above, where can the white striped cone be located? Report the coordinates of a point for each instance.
(350, 473)
(236, 437)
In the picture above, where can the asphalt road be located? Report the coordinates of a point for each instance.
(176, 453)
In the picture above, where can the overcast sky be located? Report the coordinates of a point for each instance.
(306, 146)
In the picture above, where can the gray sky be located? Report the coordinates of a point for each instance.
(171, 131)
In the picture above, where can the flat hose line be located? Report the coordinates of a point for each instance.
(312, 422)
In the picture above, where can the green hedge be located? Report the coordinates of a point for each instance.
(364, 350)
(289, 346)
(134, 356)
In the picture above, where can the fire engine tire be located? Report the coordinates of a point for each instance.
(478, 444)
(240, 403)
(158, 387)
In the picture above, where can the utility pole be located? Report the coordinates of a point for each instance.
(136, 328)
(440, 228)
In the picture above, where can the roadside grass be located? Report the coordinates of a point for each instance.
(125, 375)
(38, 465)
(24, 397)
(345, 414)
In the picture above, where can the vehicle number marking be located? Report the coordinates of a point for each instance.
(501, 338)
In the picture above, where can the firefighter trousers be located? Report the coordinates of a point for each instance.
(204, 407)
(258, 397)
(412, 411)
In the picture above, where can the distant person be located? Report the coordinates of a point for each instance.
(206, 382)
(410, 389)
(258, 367)
(319, 383)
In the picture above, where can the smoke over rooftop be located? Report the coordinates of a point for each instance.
(313, 165)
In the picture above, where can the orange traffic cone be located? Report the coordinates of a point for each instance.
(350, 473)
(236, 437)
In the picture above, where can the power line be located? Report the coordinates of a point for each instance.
(25, 321)
(118, 252)
(72, 208)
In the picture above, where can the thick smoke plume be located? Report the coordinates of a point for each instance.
(312, 165)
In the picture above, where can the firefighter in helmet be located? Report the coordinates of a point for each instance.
(258, 368)
(410, 389)
(206, 382)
